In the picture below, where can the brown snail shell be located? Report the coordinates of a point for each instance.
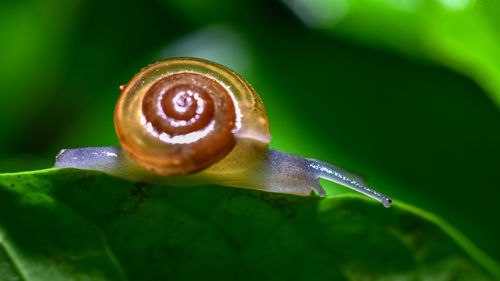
(180, 116)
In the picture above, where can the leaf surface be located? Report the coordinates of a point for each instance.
(62, 224)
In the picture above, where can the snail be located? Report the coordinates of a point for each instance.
(189, 121)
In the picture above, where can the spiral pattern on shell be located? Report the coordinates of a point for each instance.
(180, 116)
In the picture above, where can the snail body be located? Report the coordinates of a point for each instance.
(188, 121)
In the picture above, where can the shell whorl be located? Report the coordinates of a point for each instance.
(180, 116)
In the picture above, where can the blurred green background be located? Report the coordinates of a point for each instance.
(406, 93)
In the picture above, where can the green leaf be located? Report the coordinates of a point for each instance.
(461, 34)
(62, 224)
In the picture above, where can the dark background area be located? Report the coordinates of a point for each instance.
(417, 130)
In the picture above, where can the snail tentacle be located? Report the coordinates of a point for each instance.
(332, 173)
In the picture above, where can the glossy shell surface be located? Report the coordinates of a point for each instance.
(219, 111)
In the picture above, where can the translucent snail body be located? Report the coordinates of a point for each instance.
(188, 121)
